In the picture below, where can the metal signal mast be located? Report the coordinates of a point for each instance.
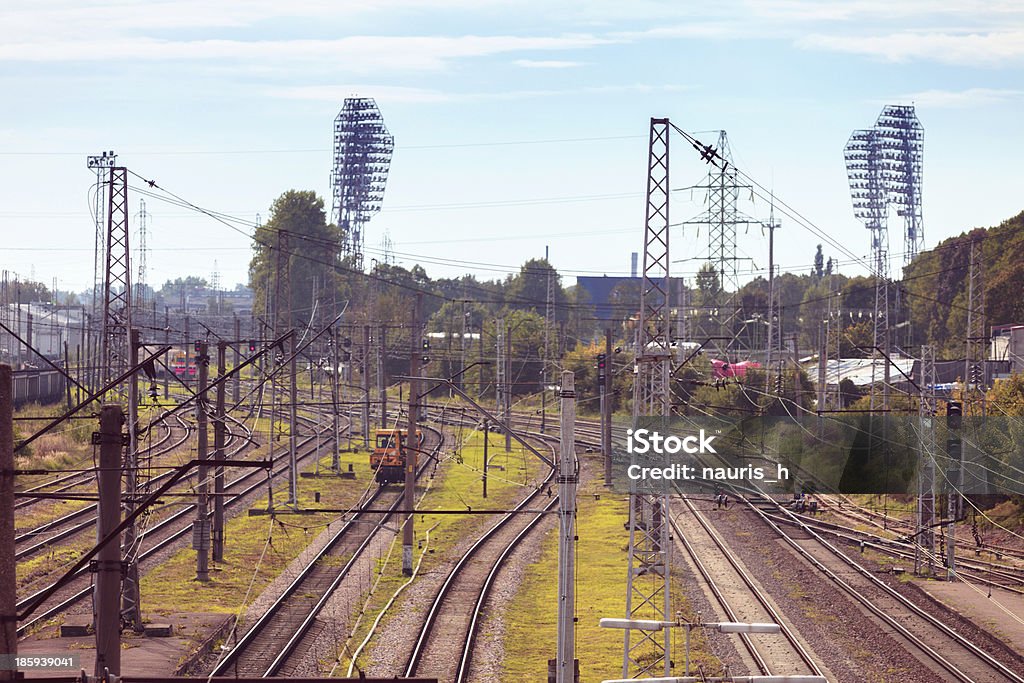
(647, 595)
(362, 157)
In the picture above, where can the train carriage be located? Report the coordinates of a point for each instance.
(390, 453)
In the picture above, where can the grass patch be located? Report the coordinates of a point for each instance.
(601, 563)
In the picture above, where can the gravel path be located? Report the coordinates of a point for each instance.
(777, 652)
(852, 645)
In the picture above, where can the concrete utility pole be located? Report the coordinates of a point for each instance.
(549, 318)
(411, 455)
(131, 600)
(335, 460)
(167, 342)
(568, 478)
(954, 484)
(8, 584)
(382, 384)
(499, 369)
(508, 390)
(487, 438)
(201, 526)
(236, 397)
(606, 409)
(293, 426)
(188, 349)
(366, 386)
(219, 429)
(924, 547)
(107, 589)
(773, 323)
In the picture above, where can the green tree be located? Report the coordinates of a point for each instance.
(529, 288)
(313, 253)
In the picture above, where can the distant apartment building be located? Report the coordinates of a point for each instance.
(1007, 344)
(44, 327)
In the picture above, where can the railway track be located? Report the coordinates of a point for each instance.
(274, 644)
(168, 531)
(731, 585)
(66, 483)
(48, 534)
(992, 574)
(444, 647)
(950, 654)
(860, 514)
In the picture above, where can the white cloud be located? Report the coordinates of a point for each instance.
(546, 64)
(355, 53)
(974, 49)
(960, 99)
(381, 93)
(977, 12)
(106, 18)
(407, 95)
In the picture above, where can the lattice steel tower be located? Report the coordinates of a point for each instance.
(722, 219)
(117, 290)
(902, 142)
(117, 357)
(362, 157)
(647, 595)
(977, 339)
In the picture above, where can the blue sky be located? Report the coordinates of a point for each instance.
(518, 125)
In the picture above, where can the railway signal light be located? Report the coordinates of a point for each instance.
(346, 342)
(954, 415)
(602, 364)
(426, 344)
(252, 346)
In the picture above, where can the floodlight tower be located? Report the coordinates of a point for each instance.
(362, 157)
(866, 165)
(902, 139)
